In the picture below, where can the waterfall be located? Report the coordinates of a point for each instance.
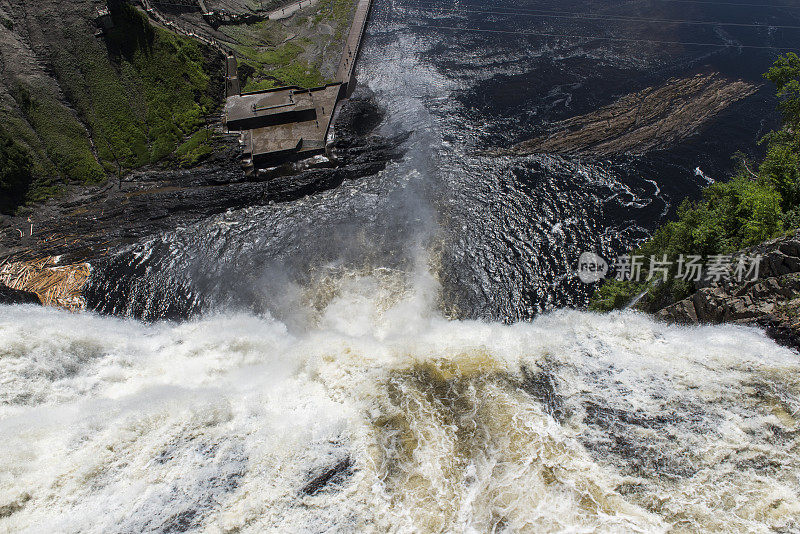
(379, 414)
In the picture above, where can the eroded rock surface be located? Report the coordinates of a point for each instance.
(92, 221)
(655, 118)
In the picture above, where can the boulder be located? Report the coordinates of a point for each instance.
(15, 296)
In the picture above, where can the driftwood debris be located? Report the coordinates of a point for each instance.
(56, 285)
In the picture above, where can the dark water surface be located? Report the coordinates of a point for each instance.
(502, 234)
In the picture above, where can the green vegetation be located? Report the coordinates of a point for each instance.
(279, 66)
(615, 295)
(44, 176)
(65, 139)
(337, 13)
(195, 149)
(126, 100)
(292, 51)
(755, 205)
(142, 95)
(253, 86)
(15, 171)
(52, 139)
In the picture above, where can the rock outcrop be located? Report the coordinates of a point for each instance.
(771, 302)
(655, 118)
(15, 296)
(89, 222)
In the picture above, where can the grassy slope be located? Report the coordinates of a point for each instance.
(277, 53)
(279, 66)
(132, 98)
(142, 95)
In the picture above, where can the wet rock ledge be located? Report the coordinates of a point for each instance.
(771, 302)
(652, 119)
(87, 223)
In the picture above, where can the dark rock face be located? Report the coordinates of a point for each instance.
(542, 386)
(89, 222)
(330, 477)
(14, 296)
(359, 116)
(771, 302)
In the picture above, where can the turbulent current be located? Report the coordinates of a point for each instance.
(386, 417)
(396, 354)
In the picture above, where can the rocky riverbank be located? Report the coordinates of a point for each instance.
(88, 223)
(771, 302)
(652, 119)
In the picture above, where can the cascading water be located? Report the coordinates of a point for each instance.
(347, 369)
(382, 416)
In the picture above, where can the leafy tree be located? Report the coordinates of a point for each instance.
(785, 74)
(781, 168)
(758, 213)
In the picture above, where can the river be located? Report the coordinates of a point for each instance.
(399, 354)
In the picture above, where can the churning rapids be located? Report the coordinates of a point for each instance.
(386, 417)
(376, 358)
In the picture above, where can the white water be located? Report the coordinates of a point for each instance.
(218, 425)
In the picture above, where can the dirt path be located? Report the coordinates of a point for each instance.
(287, 11)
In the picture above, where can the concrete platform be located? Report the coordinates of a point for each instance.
(253, 110)
(284, 124)
(291, 123)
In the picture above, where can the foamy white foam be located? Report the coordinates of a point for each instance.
(386, 417)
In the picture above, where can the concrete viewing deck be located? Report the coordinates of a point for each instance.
(291, 123)
(283, 123)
